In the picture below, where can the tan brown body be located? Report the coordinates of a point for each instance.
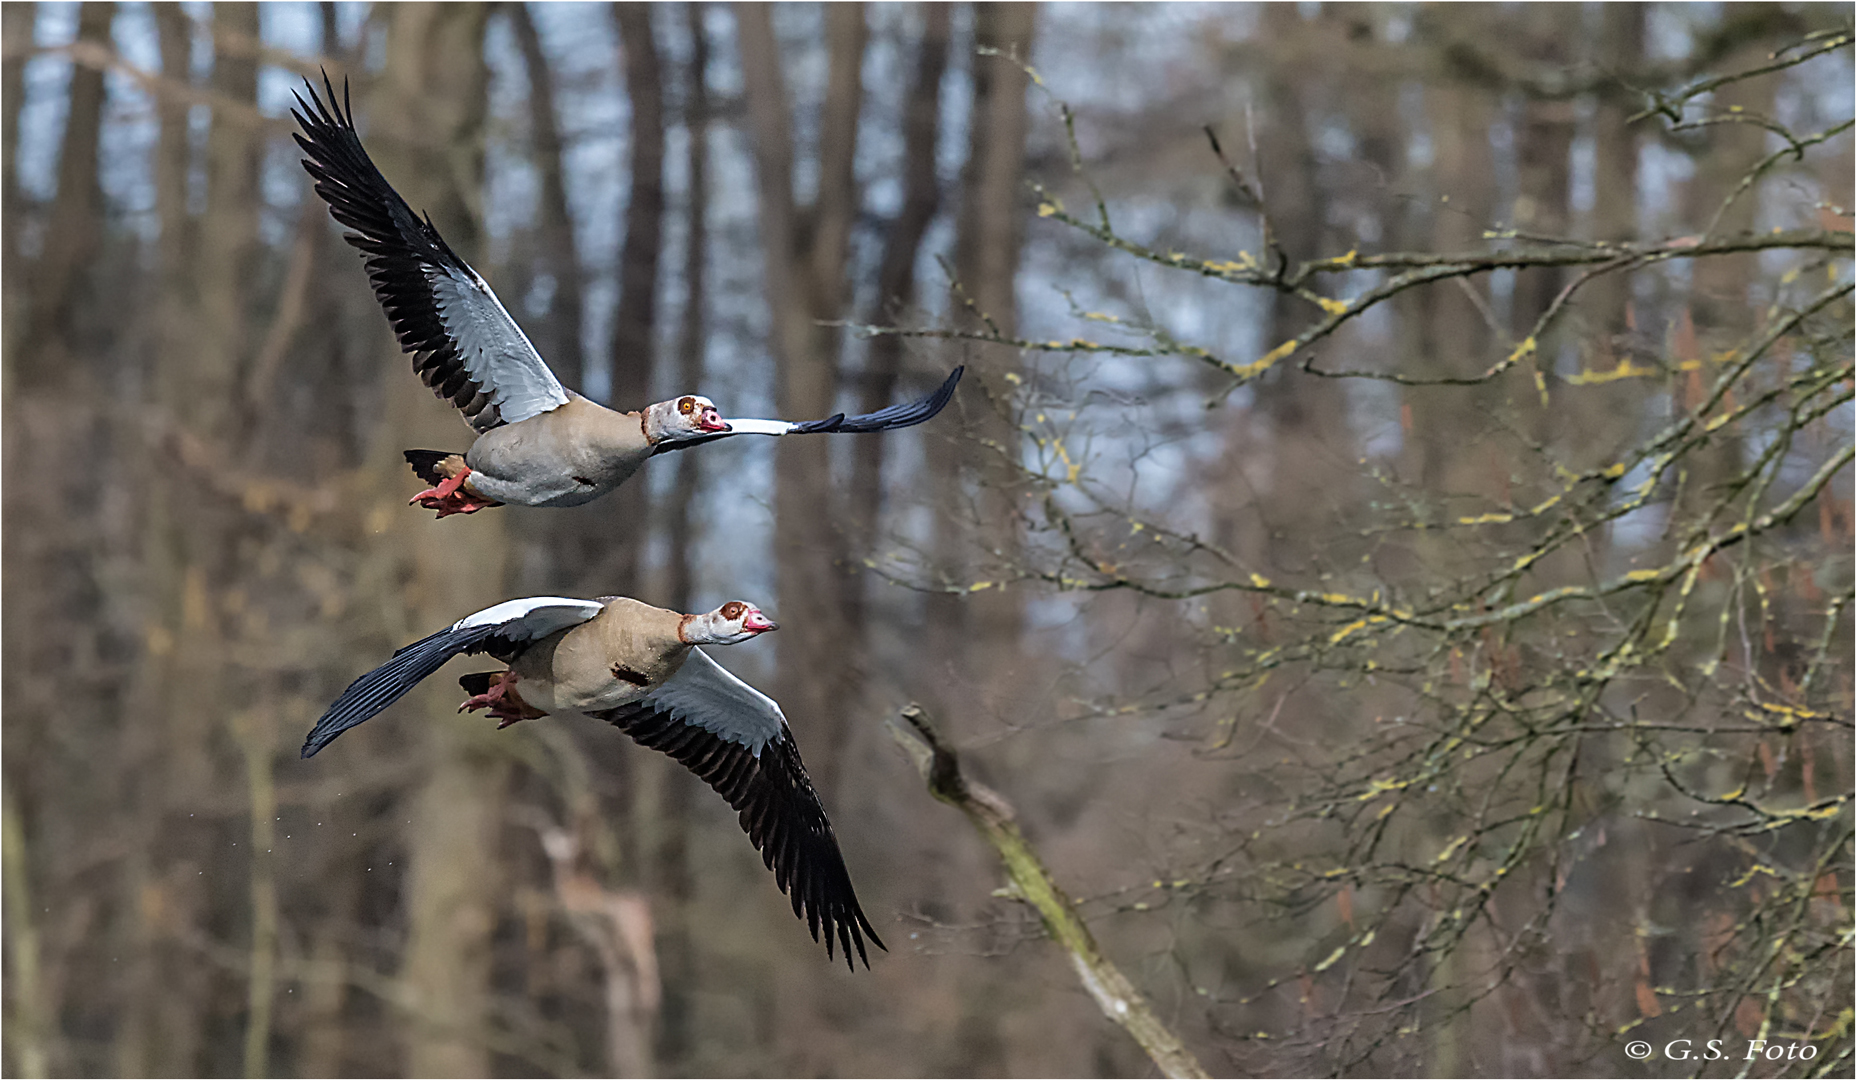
(564, 457)
(612, 659)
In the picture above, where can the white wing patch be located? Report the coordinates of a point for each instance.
(492, 347)
(533, 617)
(704, 693)
(760, 427)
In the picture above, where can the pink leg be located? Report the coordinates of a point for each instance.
(450, 497)
(503, 702)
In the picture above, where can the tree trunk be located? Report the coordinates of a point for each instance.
(1719, 315)
(16, 26)
(558, 337)
(1614, 210)
(1603, 315)
(173, 157)
(1455, 339)
(324, 1047)
(27, 1014)
(599, 552)
(921, 195)
(634, 325)
(161, 556)
(692, 338)
(190, 546)
(426, 132)
(1543, 206)
(17, 22)
(1306, 418)
(805, 256)
(74, 233)
(977, 635)
(220, 338)
(669, 869)
(611, 557)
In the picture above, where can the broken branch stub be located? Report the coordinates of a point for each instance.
(1031, 883)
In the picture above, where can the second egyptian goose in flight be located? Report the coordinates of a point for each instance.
(539, 443)
(638, 668)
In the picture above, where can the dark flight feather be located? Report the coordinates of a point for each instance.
(780, 812)
(397, 246)
(386, 684)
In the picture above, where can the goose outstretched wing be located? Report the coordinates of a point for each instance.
(501, 629)
(737, 740)
(463, 342)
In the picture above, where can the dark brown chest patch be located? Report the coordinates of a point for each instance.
(625, 674)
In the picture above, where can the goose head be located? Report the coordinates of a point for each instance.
(687, 417)
(730, 624)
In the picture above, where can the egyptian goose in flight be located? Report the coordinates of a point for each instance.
(637, 667)
(538, 443)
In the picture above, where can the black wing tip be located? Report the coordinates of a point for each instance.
(843, 921)
(849, 934)
(338, 109)
(327, 730)
(326, 123)
(314, 111)
(945, 392)
(906, 414)
(372, 693)
(919, 411)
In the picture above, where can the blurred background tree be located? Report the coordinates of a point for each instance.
(1395, 554)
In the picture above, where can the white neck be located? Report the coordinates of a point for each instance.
(658, 422)
(700, 629)
(710, 628)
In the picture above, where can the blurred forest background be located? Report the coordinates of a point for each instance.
(1397, 560)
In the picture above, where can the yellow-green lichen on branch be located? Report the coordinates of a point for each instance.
(1030, 882)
